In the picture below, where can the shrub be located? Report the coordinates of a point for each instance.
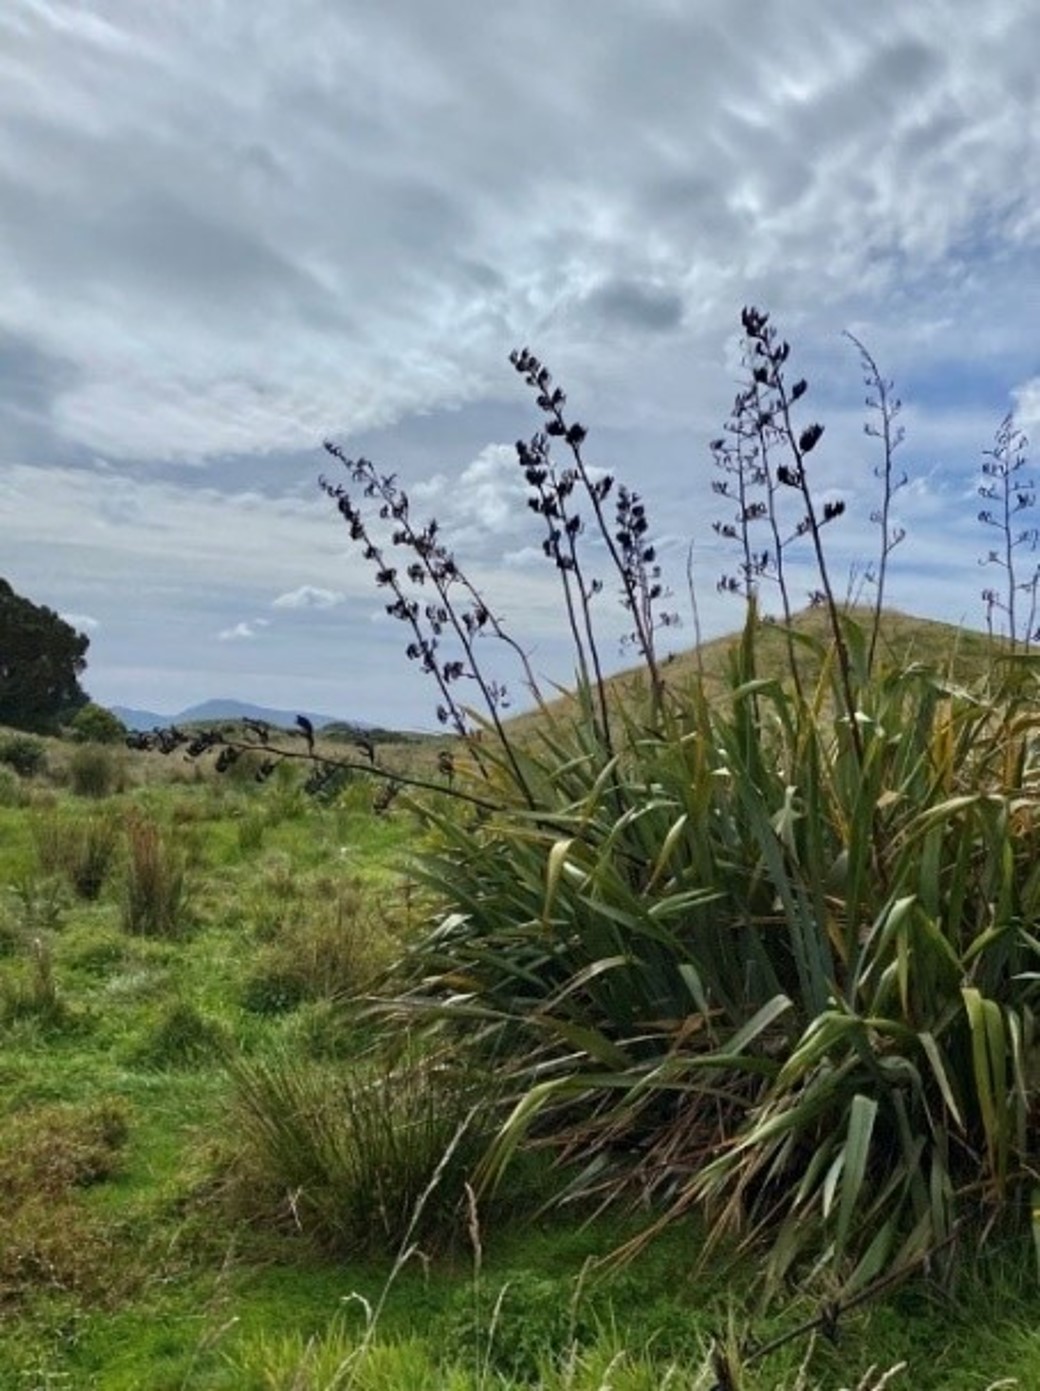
(272, 989)
(51, 1149)
(93, 724)
(96, 771)
(155, 890)
(23, 753)
(761, 946)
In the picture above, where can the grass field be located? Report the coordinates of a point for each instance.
(178, 950)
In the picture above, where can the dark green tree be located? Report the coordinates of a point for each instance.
(93, 724)
(41, 660)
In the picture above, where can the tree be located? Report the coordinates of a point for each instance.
(93, 724)
(41, 659)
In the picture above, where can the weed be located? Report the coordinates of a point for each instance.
(40, 900)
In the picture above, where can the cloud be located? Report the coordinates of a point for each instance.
(191, 250)
(308, 596)
(620, 303)
(82, 622)
(347, 239)
(239, 632)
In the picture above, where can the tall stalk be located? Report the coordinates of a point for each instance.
(769, 354)
(887, 407)
(630, 560)
(1013, 496)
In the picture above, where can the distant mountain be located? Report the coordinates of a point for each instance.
(211, 710)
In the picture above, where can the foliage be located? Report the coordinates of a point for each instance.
(770, 955)
(32, 991)
(765, 952)
(41, 660)
(95, 771)
(81, 849)
(327, 946)
(155, 888)
(358, 1161)
(145, 1277)
(12, 794)
(23, 753)
(94, 724)
(180, 1037)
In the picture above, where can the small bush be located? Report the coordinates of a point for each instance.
(350, 1160)
(155, 892)
(49, 1150)
(96, 771)
(93, 724)
(23, 753)
(325, 1031)
(272, 989)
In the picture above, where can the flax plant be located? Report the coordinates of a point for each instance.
(766, 952)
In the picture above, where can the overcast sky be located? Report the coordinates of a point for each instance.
(230, 230)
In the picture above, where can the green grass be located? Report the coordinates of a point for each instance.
(157, 1280)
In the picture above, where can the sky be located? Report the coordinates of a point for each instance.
(231, 231)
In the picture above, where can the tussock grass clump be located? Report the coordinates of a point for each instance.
(356, 1162)
(180, 1036)
(155, 888)
(82, 849)
(51, 1149)
(94, 770)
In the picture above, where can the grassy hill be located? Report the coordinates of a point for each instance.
(966, 655)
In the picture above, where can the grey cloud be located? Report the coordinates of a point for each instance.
(632, 304)
(222, 242)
